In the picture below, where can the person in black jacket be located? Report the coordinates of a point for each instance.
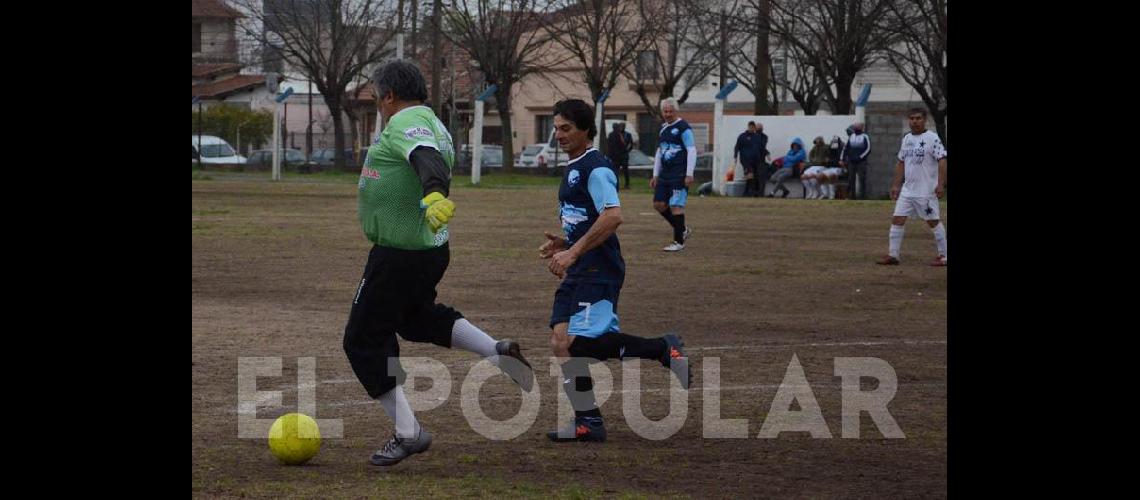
(854, 159)
(750, 148)
(618, 145)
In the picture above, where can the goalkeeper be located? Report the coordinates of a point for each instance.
(404, 211)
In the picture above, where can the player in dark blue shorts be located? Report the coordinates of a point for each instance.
(673, 167)
(584, 321)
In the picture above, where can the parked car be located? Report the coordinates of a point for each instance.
(549, 154)
(326, 158)
(642, 161)
(537, 155)
(704, 161)
(264, 157)
(213, 150)
(529, 155)
(492, 156)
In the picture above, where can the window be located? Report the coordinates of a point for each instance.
(197, 38)
(542, 126)
(217, 150)
(700, 136)
(779, 69)
(879, 73)
(647, 65)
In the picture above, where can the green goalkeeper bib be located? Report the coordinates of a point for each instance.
(390, 191)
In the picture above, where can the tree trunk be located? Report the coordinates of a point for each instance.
(353, 125)
(503, 104)
(333, 103)
(723, 49)
(763, 70)
(436, 56)
(843, 102)
(415, 26)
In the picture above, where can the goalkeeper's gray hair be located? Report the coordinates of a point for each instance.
(672, 101)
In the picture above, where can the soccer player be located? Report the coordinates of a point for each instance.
(673, 167)
(922, 162)
(584, 322)
(404, 211)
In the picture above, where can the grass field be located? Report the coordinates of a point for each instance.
(274, 269)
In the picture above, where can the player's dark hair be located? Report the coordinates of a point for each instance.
(751, 124)
(401, 78)
(579, 113)
(917, 111)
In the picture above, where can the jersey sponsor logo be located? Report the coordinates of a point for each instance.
(668, 151)
(675, 132)
(571, 217)
(415, 132)
(572, 177)
(369, 173)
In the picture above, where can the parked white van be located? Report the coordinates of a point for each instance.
(546, 153)
(214, 150)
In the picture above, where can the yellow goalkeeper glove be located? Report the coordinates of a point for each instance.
(439, 210)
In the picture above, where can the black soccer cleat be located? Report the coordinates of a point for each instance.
(584, 429)
(676, 361)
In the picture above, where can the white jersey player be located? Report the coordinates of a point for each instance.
(922, 162)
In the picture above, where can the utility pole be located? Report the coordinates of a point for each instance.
(309, 129)
(199, 102)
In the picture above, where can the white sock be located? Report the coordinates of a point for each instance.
(396, 406)
(896, 239)
(468, 337)
(826, 190)
(807, 187)
(940, 239)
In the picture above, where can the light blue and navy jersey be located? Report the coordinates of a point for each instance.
(588, 187)
(673, 144)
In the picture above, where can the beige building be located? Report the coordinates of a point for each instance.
(533, 98)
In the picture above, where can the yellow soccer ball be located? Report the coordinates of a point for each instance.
(294, 438)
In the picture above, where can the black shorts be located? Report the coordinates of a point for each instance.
(590, 308)
(676, 193)
(396, 296)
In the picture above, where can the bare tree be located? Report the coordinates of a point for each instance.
(673, 59)
(739, 32)
(603, 36)
(920, 54)
(506, 39)
(330, 42)
(837, 38)
(802, 80)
